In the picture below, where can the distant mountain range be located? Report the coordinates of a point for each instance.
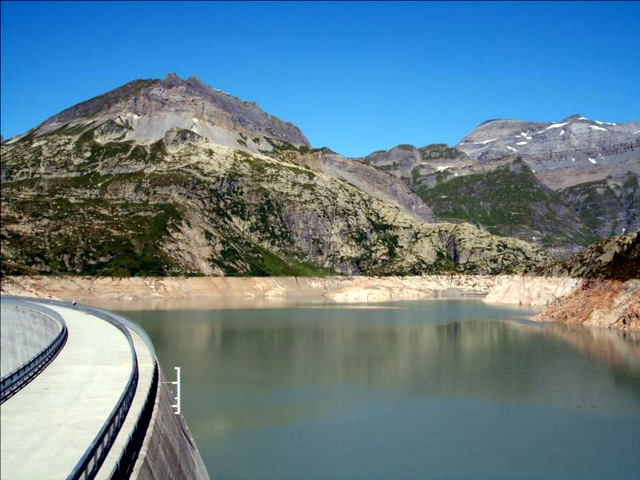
(162, 177)
(562, 185)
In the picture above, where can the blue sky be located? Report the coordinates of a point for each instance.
(356, 77)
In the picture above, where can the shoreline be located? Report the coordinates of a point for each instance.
(507, 289)
(597, 303)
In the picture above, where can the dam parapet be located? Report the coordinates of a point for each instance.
(99, 396)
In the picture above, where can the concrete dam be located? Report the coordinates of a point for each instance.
(82, 396)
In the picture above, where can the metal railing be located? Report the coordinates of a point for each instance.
(88, 466)
(21, 376)
(127, 460)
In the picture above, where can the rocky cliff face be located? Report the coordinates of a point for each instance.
(383, 186)
(130, 183)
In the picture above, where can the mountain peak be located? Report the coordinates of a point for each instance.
(193, 80)
(145, 110)
(172, 77)
(575, 116)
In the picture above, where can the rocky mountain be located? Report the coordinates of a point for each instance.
(144, 110)
(422, 167)
(171, 177)
(562, 185)
(509, 200)
(573, 151)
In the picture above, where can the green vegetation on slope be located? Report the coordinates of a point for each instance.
(119, 239)
(83, 231)
(439, 151)
(508, 201)
(73, 205)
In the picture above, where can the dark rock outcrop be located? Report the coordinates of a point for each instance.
(609, 295)
(615, 258)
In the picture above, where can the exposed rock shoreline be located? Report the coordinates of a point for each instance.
(598, 303)
(601, 303)
(513, 289)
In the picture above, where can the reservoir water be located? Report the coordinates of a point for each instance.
(453, 389)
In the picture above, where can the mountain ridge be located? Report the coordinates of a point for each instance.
(172, 177)
(602, 193)
(553, 148)
(95, 190)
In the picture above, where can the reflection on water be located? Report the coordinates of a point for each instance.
(235, 302)
(256, 380)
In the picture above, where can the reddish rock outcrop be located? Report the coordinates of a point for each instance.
(599, 303)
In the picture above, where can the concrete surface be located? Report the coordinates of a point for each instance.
(145, 368)
(48, 425)
(24, 333)
(169, 451)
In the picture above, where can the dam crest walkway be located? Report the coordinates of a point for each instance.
(78, 390)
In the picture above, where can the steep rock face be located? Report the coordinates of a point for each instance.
(575, 150)
(144, 110)
(383, 186)
(606, 206)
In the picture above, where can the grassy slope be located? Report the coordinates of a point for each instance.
(507, 201)
(121, 239)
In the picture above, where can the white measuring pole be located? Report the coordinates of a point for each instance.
(178, 393)
(177, 405)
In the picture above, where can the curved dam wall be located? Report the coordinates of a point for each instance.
(169, 451)
(24, 334)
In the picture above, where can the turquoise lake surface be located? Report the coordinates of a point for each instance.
(435, 389)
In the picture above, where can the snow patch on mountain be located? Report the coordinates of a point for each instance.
(557, 125)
